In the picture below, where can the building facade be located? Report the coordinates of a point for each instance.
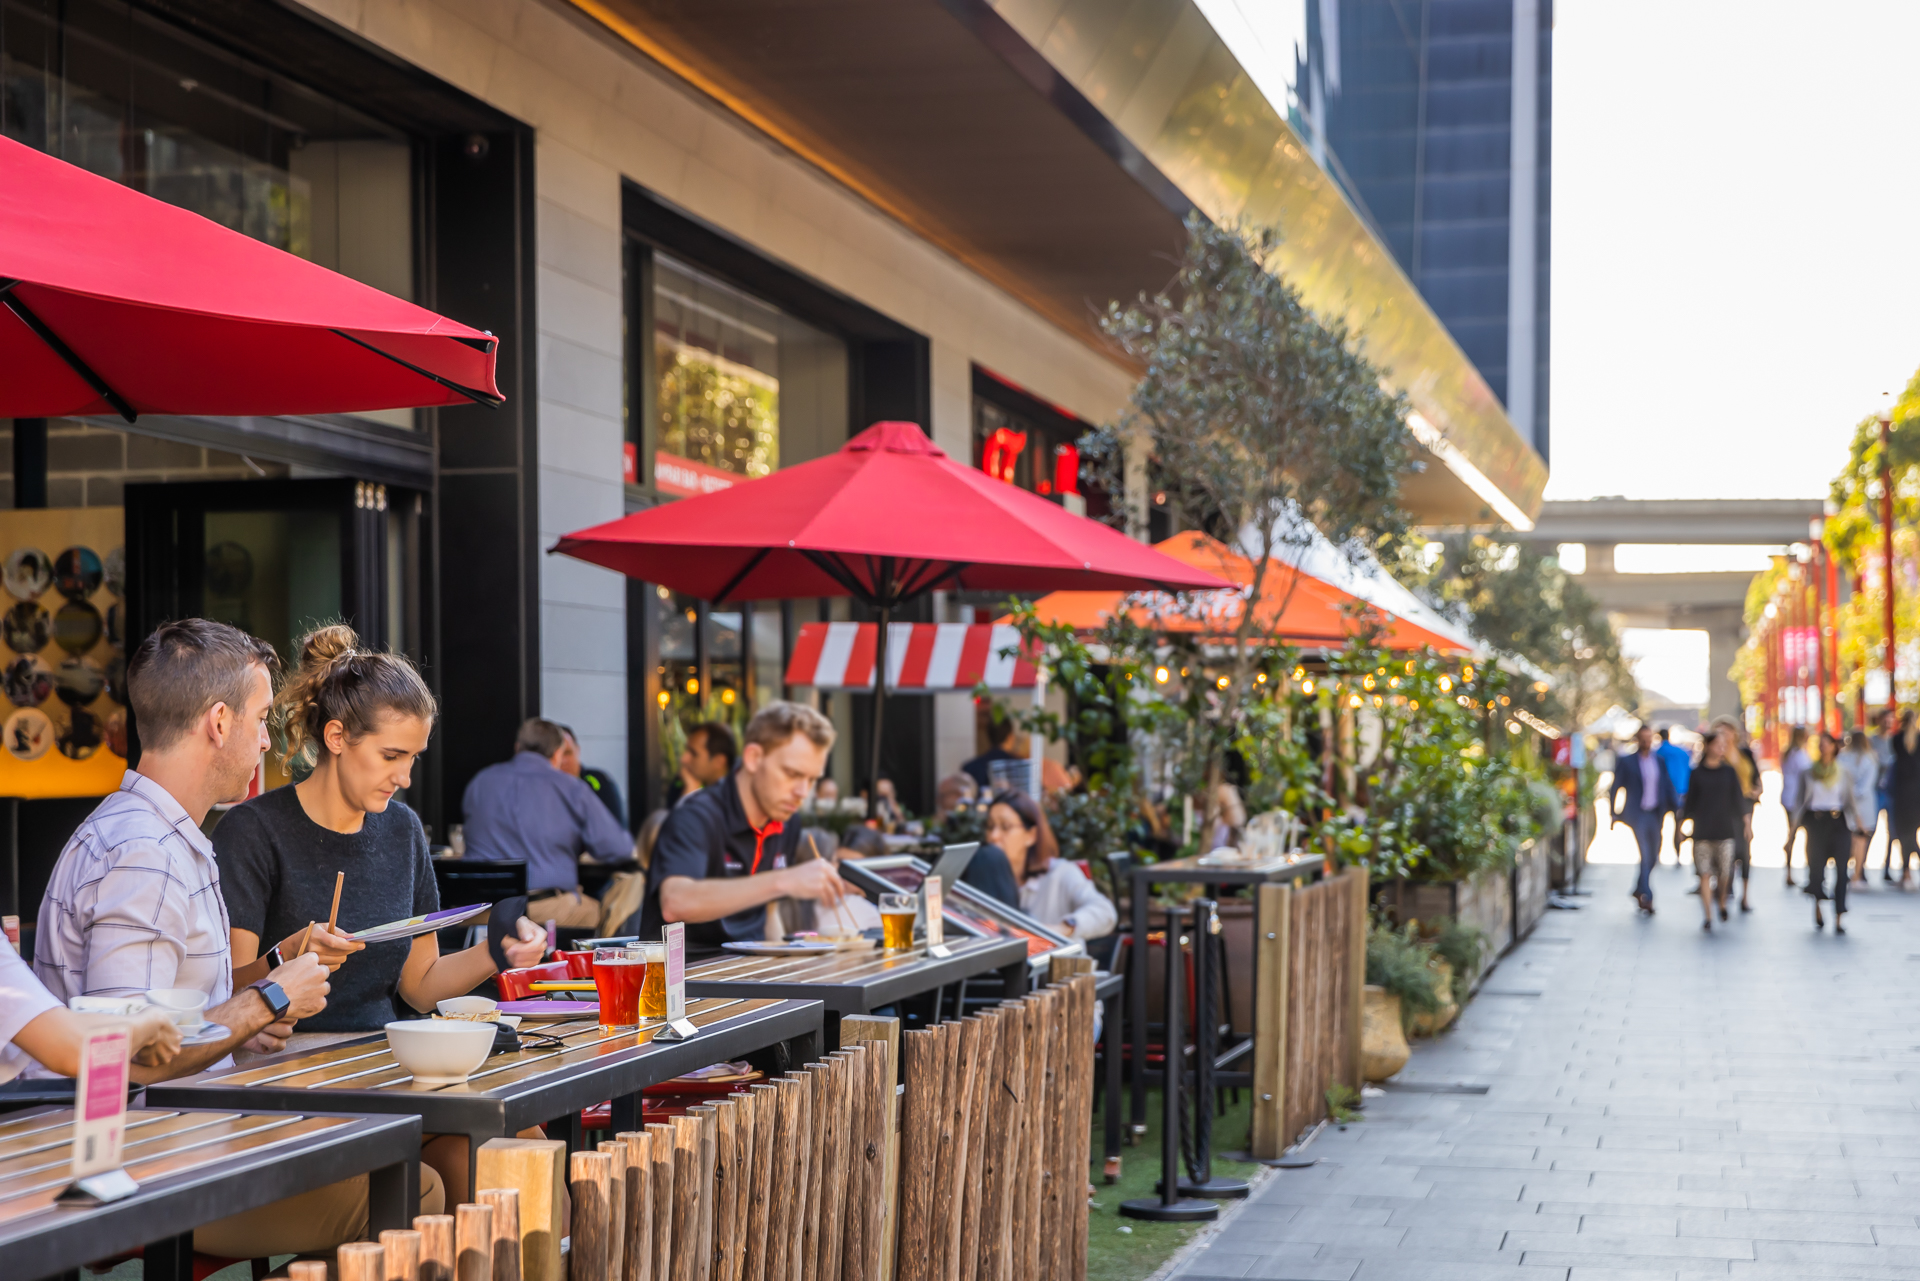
(714, 240)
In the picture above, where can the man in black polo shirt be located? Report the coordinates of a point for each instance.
(726, 851)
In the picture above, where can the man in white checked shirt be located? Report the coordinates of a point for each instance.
(134, 901)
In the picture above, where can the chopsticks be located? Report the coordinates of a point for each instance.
(846, 923)
(333, 917)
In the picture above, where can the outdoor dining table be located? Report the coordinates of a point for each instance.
(193, 1166)
(1143, 878)
(510, 1092)
(860, 982)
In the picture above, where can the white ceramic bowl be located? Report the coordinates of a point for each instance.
(467, 1005)
(439, 1051)
(187, 1006)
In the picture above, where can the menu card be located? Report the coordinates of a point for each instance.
(100, 1118)
(679, 1027)
(936, 919)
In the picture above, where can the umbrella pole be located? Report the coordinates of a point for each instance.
(879, 709)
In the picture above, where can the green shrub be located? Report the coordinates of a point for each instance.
(1464, 947)
(1399, 961)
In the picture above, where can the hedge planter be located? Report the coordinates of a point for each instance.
(1383, 1042)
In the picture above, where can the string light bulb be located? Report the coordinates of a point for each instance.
(1446, 684)
(1160, 675)
(1222, 683)
(1353, 701)
(1306, 687)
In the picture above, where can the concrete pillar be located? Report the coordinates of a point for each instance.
(1723, 644)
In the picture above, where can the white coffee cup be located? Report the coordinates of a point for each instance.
(186, 1006)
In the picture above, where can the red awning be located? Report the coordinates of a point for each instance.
(922, 658)
(114, 302)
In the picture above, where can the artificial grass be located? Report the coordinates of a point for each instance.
(1114, 1255)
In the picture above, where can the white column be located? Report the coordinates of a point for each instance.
(1522, 204)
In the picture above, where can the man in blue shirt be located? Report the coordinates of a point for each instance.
(533, 808)
(1642, 795)
(727, 850)
(1679, 766)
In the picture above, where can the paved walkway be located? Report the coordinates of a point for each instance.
(1639, 1100)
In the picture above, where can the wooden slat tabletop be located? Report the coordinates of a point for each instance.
(158, 1144)
(370, 1065)
(854, 982)
(838, 968)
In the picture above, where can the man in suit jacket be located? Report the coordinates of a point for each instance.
(1643, 793)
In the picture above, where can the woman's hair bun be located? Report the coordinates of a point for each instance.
(337, 680)
(328, 643)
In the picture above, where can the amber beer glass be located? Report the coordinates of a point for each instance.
(896, 921)
(617, 975)
(653, 991)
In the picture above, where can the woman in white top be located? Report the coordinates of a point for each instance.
(1053, 891)
(1829, 793)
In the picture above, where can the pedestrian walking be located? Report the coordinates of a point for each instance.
(1794, 765)
(1903, 820)
(1714, 812)
(1828, 837)
(1863, 792)
(1642, 797)
(1884, 732)
(1678, 763)
(1739, 751)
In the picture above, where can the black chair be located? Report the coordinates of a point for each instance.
(464, 882)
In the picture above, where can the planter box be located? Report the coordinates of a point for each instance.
(1485, 900)
(1532, 877)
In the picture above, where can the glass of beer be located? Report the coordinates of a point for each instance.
(617, 975)
(896, 921)
(653, 991)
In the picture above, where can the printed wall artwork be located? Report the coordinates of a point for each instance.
(63, 666)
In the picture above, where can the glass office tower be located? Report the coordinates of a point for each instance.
(1436, 118)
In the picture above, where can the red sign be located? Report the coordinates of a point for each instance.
(1563, 751)
(673, 474)
(1001, 452)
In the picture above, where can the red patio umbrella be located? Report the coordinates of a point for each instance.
(885, 519)
(114, 302)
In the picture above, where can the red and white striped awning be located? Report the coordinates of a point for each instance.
(922, 658)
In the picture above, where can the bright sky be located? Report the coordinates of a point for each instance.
(1733, 205)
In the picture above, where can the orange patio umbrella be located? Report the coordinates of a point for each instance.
(1314, 613)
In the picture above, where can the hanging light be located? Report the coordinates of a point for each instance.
(1306, 687)
(1160, 675)
(726, 696)
(693, 684)
(664, 699)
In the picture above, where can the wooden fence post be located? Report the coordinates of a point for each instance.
(760, 1194)
(505, 1204)
(1357, 884)
(919, 1144)
(1273, 916)
(592, 1246)
(662, 1180)
(882, 1038)
(637, 1249)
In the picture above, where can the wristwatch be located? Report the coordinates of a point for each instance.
(274, 959)
(275, 996)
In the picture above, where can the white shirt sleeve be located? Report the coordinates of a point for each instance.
(22, 1000)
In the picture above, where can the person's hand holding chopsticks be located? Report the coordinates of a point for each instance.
(333, 947)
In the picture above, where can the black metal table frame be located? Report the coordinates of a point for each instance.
(1007, 957)
(385, 1148)
(1142, 879)
(557, 1096)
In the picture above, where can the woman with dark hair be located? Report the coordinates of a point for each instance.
(1053, 890)
(1828, 837)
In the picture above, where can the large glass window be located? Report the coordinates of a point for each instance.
(740, 387)
(119, 92)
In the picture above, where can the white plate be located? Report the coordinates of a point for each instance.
(205, 1034)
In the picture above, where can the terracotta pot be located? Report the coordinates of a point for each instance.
(1383, 1043)
(1428, 1024)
